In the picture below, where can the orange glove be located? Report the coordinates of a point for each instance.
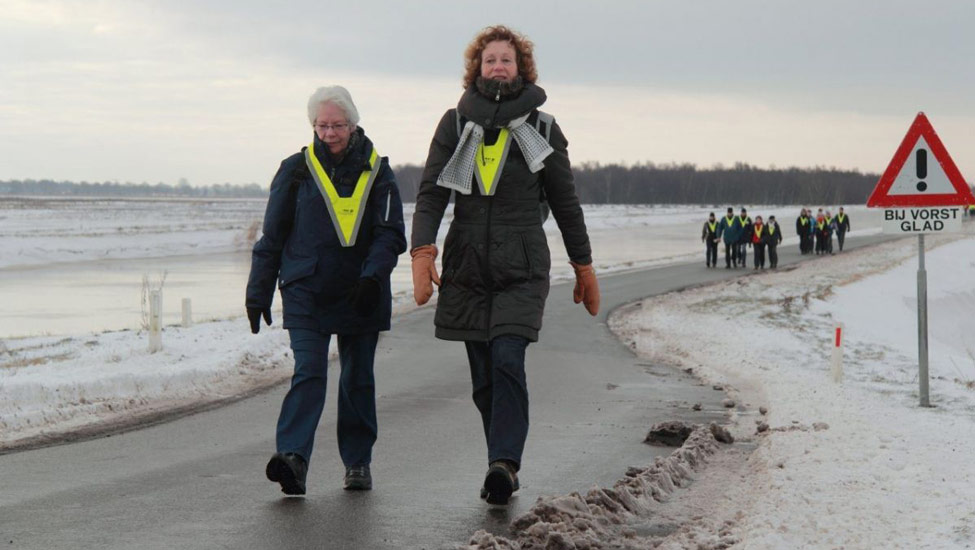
(587, 289)
(424, 272)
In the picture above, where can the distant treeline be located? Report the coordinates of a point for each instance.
(115, 189)
(687, 184)
(596, 184)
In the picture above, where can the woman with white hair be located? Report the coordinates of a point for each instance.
(333, 229)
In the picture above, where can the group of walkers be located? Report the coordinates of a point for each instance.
(816, 234)
(333, 230)
(739, 233)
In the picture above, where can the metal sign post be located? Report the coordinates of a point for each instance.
(922, 323)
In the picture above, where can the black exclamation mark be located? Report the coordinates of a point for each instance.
(921, 160)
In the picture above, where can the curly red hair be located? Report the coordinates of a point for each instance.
(523, 52)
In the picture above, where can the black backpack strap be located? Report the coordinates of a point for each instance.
(461, 121)
(543, 124)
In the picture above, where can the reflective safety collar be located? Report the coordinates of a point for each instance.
(758, 230)
(490, 161)
(803, 221)
(771, 229)
(841, 217)
(346, 212)
(712, 226)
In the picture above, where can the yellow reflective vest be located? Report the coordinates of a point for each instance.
(346, 212)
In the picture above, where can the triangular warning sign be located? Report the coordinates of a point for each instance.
(921, 173)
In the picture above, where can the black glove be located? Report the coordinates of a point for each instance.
(365, 295)
(254, 316)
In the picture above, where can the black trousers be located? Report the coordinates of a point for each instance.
(711, 255)
(840, 237)
(759, 255)
(742, 254)
(773, 255)
(730, 254)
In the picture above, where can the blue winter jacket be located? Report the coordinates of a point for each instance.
(301, 251)
(730, 230)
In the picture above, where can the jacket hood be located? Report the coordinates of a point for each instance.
(488, 113)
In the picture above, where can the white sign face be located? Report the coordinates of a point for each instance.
(922, 220)
(921, 174)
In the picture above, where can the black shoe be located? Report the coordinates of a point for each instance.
(484, 491)
(288, 469)
(500, 482)
(358, 478)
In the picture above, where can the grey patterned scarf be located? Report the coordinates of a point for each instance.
(457, 174)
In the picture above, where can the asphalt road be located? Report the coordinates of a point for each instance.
(198, 481)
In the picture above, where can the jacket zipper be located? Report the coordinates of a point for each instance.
(489, 276)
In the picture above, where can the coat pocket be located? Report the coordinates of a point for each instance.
(295, 269)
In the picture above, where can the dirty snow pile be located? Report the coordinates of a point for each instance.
(857, 464)
(605, 517)
(52, 385)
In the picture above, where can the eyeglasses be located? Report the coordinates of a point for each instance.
(337, 127)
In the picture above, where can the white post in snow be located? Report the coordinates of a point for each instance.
(837, 360)
(187, 313)
(155, 321)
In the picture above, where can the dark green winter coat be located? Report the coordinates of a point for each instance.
(496, 259)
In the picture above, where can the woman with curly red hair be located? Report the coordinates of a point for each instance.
(500, 156)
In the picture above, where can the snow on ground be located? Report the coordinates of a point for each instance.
(41, 231)
(53, 385)
(852, 465)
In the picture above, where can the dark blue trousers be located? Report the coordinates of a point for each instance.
(302, 406)
(500, 393)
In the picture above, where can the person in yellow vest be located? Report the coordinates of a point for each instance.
(709, 236)
(774, 238)
(759, 238)
(804, 230)
(842, 227)
(745, 237)
(498, 155)
(830, 229)
(333, 229)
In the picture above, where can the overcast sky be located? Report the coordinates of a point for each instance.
(216, 91)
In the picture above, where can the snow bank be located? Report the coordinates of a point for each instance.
(602, 518)
(55, 385)
(852, 465)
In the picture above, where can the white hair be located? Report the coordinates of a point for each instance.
(336, 95)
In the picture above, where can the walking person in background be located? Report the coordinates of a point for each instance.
(496, 258)
(774, 238)
(759, 239)
(745, 237)
(802, 229)
(332, 232)
(821, 230)
(709, 235)
(730, 233)
(842, 227)
(830, 229)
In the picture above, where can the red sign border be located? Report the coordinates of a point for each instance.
(921, 127)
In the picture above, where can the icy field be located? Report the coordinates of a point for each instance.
(70, 266)
(852, 465)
